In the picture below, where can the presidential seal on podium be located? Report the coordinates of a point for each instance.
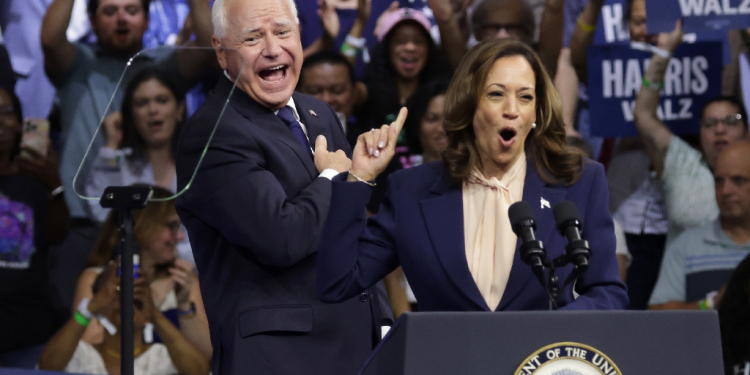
(567, 358)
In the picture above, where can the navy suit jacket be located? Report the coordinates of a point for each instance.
(254, 213)
(420, 227)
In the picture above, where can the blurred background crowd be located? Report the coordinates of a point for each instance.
(680, 204)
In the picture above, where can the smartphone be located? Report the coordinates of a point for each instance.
(136, 267)
(35, 135)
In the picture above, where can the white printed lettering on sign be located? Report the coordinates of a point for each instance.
(713, 7)
(686, 76)
(614, 28)
(669, 110)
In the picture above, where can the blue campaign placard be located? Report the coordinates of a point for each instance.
(612, 28)
(697, 15)
(615, 74)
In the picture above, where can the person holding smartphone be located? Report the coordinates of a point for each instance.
(66, 351)
(174, 284)
(33, 215)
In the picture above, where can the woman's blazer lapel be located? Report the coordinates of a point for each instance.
(443, 214)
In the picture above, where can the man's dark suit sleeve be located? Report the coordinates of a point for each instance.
(237, 195)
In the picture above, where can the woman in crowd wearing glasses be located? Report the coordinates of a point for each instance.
(174, 284)
(685, 173)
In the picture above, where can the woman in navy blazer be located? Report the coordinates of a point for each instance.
(500, 105)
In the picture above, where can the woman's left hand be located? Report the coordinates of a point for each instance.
(183, 276)
(375, 149)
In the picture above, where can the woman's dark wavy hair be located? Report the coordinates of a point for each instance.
(382, 76)
(734, 317)
(417, 106)
(545, 145)
(130, 136)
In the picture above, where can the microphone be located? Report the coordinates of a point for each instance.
(532, 250)
(569, 224)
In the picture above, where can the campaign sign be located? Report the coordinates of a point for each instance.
(697, 14)
(612, 27)
(615, 75)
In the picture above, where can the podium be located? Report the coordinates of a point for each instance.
(634, 342)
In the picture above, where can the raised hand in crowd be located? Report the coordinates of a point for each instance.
(63, 344)
(671, 40)
(364, 9)
(112, 127)
(375, 149)
(452, 20)
(44, 169)
(583, 37)
(551, 35)
(183, 38)
(656, 135)
(33, 164)
(354, 41)
(379, 23)
(329, 21)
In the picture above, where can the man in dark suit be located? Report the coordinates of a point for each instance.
(256, 206)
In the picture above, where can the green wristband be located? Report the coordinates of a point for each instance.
(82, 320)
(348, 50)
(704, 304)
(652, 85)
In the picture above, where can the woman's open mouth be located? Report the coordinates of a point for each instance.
(507, 136)
(409, 63)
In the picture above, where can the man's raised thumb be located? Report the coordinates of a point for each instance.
(321, 143)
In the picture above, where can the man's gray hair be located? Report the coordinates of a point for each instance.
(219, 15)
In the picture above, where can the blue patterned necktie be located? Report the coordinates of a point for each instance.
(286, 115)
